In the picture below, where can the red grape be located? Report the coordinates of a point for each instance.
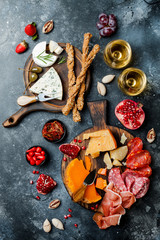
(103, 18)
(112, 23)
(100, 25)
(106, 25)
(105, 32)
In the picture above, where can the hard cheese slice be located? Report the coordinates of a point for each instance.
(50, 83)
(100, 141)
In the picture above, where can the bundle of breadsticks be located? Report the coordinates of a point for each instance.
(76, 86)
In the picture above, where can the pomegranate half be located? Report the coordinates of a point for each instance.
(45, 184)
(130, 114)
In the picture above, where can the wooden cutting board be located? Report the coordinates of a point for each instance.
(53, 105)
(98, 111)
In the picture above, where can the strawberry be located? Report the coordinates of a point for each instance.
(30, 29)
(21, 47)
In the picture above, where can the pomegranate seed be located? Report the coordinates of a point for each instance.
(79, 141)
(38, 198)
(69, 210)
(96, 206)
(75, 140)
(83, 147)
(34, 171)
(31, 182)
(69, 215)
(92, 208)
(65, 159)
(65, 216)
(37, 172)
(76, 225)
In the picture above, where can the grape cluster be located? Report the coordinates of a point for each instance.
(107, 25)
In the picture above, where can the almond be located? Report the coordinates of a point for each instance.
(54, 204)
(57, 223)
(101, 89)
(46, 226)
(48, 26)
(108, 78)
(151, 135)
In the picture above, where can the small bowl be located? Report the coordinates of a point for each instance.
(64, 128)
(44, 161)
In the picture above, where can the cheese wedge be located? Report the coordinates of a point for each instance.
(54, 47)
(100, 141)
(50, 83)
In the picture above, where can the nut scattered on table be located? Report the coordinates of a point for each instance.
(151, 135)
(108, 78)
(54, 204)
(57, 223)
(48, 26)
(101, 89)
(46, 226)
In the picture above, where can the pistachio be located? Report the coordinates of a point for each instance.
(108, 78)
(101, 89)
(151, 135)
(57, 223)
(46, 226)
(48, 26)
(54, 204)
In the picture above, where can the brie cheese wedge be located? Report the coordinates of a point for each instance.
(41, 58)
(50, 84)
(54, 47)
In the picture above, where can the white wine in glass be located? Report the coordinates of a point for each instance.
(117, 54)
(132, 81)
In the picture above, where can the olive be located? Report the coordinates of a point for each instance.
(36, 69)
(33, 77)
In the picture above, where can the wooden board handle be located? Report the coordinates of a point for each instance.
(98, 111)
(25, 100)
(15, 118)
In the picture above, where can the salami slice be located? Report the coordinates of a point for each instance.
(135, 183)
(115, 177)
(144, 171)
(134, 145)
(138, 159)
(140, 187)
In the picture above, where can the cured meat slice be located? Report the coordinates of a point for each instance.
(140, 187)
(145, 171)
(110, 210)
(127, 199)
(134, 145)
(115, 177)
(138, 159)
(135, 183)
(105, 222)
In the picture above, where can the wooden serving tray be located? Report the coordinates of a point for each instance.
(53, 105)
(98, 111)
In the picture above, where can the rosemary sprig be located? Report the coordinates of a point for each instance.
(43, 58)
(62, 60)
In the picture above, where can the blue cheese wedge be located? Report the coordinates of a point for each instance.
(41, 58)
(50, 84)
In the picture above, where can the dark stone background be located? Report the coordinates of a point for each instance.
(21, 215)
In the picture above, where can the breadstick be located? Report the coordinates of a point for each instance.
(76, 114)
(85, 48)
(75, 89)
(70, 65)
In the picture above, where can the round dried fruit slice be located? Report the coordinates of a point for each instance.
(45, 184)
(70, 150)
(130, 114)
